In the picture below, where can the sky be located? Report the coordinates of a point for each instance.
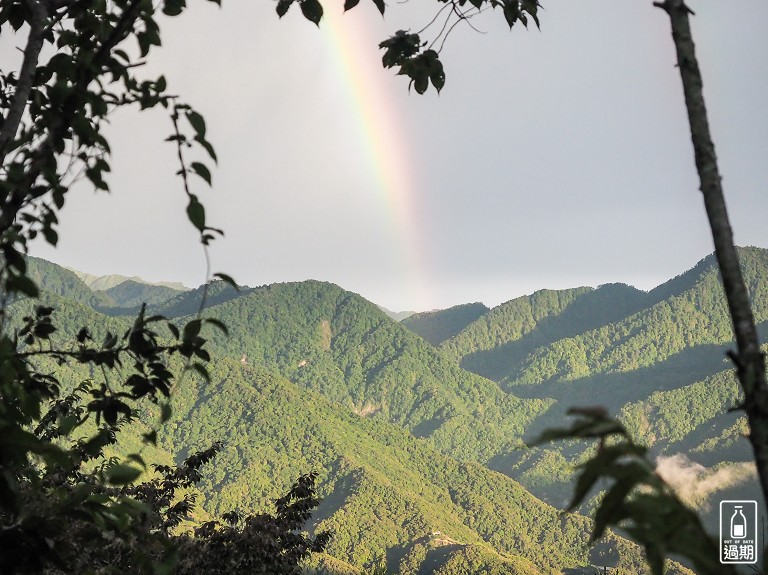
(551, 159)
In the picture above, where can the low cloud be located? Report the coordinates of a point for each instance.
(694, 483)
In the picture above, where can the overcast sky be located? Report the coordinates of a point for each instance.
(551, 159)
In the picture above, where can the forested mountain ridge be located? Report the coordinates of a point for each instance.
(564, 335)
(336, 343)
(54, 279)
(390, 498)
(693, 313)
(104, 283)
(354, 415)
(657, 359)
(437, 326)
(497, 342)
(123, 298)
(405, 438)
(131, 293)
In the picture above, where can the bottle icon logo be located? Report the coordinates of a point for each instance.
(738, 532)
(738, 524)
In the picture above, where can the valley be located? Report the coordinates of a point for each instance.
(418, 428)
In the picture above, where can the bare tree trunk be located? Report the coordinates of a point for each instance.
(749, 360)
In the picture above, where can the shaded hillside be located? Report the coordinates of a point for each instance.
(437, 326)
(389, 498)
(496, 344)
(104, 283)
(656, 358)
(188, 302)
(57, 280)
(696, 314)
(336, 343)
(132, 294)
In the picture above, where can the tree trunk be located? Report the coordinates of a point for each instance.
(749, 360)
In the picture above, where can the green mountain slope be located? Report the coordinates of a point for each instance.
(437, 326)
(189, 302)
(409, 438)
(131, 293)
(655, 358)
(494, 345)
(104, 283)
(388, 497)
(692, 315)
(336, 343)
(60, 281)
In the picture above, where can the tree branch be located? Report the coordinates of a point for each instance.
(749, 359)
(26, 75)
(58, 128)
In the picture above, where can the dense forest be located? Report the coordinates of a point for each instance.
(416, 430)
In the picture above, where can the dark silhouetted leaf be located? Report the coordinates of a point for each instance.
(312, 10)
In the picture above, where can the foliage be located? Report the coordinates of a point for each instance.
(437, 326)
(259, 543)
(275, 429)
(636, 499)
(407, 51)
(40, 495)
(64, 505)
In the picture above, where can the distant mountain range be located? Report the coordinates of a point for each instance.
(416, 428)
(104, 283)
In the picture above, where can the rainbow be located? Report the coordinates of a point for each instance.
(350, 39)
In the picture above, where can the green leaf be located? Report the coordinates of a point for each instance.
(165, 412)
(197, 122)
(421, 82)
(122, 474)
(202, 171)
(312, 10)
(511, 12)
(208, 147)
(150, 438)
(174, 7)
(196, 213)
(282, 7)
(611, 504)
(138, 459)
(192, 329)
(174, 330)
(349, 4)
(219, 324)
(227, 280)
(67, 424)
(51, 236)
(532, 7)
(14, 259)
(201, 369)
(21, 284)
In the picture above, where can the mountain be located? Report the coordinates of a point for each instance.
(130, 293)
(397, 315)
(104, 283)
(388, 497)
(418, 438)
(496, 343)
(334, 342)
(437, 326)
(57, 280)
(396, 431)
(656, 359)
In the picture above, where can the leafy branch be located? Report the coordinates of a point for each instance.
(414, 57)
(636, 500)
